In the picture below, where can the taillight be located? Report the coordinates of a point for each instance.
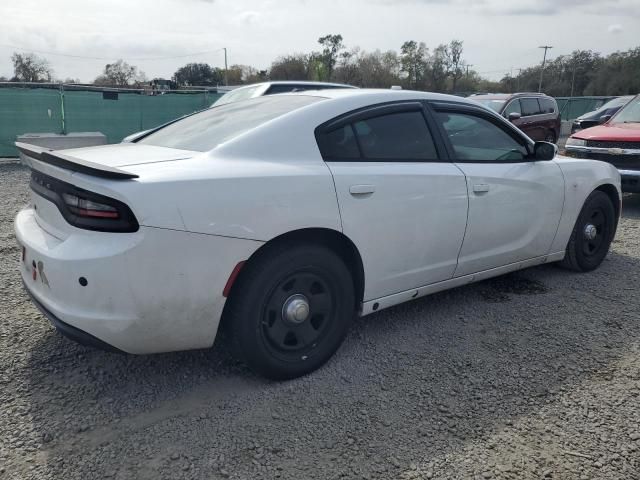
(84, 209)
(87, 208)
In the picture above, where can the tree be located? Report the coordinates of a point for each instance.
(235, 74)
(332, 45)
(413, 58)
(454, 63)
(120, 74)
(198, 74)
(30, 68)
(347, 70)
(438, 71)
(290, 67)
(253, 75)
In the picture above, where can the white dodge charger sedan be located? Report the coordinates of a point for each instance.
(282, 217)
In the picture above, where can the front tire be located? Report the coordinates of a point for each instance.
(592, 234)
(290, 310)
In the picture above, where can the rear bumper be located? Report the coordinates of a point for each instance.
(151, 291)
(72, 333)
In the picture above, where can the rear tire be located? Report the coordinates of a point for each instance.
(290, 310)
(592, 234)
(551, 137)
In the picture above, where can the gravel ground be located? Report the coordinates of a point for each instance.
(533, 375)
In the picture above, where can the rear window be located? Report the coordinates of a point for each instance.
(206, 130)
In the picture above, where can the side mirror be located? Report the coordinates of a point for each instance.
(604, 118)
(514, 116)
(544, 151)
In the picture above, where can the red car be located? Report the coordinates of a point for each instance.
(616, 142)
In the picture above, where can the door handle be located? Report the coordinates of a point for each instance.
(481, 188)
(362, 189)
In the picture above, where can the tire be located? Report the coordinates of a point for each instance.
(583, 252)
(267, 321)
(551, 137)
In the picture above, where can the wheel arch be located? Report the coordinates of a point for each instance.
(612, 192)
(333, 239)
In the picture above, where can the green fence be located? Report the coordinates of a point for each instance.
(38, 108)
(67, 109)
(572, 107)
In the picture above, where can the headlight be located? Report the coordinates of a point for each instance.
(576, 142)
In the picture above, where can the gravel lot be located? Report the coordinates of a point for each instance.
(534, 375)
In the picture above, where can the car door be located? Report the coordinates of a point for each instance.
(515, 202)
(401, 203)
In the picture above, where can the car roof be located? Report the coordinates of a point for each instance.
(503, 96)
(492, 96)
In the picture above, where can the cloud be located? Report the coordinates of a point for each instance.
(615, 28)
(249, 17)
(554, 7)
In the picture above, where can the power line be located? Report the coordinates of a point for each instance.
(137, 59)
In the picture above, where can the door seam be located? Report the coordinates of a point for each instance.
(466, 226)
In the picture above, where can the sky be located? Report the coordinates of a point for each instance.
(498, 35)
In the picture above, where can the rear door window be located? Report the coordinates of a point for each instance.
(339, 144)
(530, 106)
(396, 136)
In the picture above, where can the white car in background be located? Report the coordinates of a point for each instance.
(273, 88)
(253, 91)
(284, 216)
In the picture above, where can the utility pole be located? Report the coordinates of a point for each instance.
(573, 80)
(518, 80)
(544, 61)
(468, 66)
(226, 68)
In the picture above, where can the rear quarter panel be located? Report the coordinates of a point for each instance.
(581, 178)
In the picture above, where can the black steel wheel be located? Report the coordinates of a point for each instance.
(592, 234)
(290, 310)
(297, 314)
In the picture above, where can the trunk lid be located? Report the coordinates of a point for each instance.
(107, 161)
(106, 170)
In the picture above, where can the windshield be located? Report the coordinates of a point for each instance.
(492, 103)
(238, 95)
(630, 113)
(616, 102)
(206, 130)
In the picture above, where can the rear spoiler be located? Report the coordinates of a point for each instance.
(74, 164)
